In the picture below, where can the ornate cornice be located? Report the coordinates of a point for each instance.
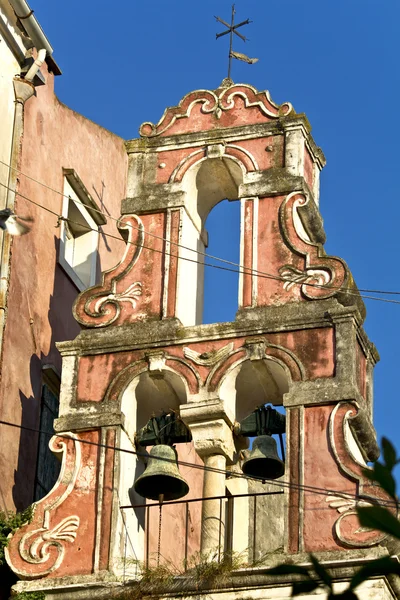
(215, 103)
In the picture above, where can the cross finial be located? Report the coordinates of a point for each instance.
(232, 29)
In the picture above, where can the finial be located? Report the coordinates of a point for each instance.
(232, 29)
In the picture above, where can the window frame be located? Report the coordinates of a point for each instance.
(74, 190)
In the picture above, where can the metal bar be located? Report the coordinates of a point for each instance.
(255, 527)
(218, 35)
(230, 42)
(246, 22)
(200, 499)
(147, 534)
(186, 535)
(230, 526)
(219, 529)
(222, 21)
(240, 35)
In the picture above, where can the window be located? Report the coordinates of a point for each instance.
(47, 466)
(79, 232)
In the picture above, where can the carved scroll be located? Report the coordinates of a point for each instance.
(216, 103)
(347, 526)
(101, 305)
(38, 548)
(323, 275)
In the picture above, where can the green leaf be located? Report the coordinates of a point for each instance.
(289, 570)
(303, 587)
(377, 517)
(321, 571)
(389, 453)
(383, 476)
(381, 566)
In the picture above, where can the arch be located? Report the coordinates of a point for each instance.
(212, 178)
(248, 384)
(206, 182)
(142, 392)
(288, 361)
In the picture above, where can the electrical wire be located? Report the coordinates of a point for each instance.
(319, 491)
(248, 270)
(241, 270)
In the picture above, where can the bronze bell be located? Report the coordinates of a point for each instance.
(161, 479)
(264, 462)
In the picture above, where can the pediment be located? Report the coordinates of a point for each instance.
(229, 106)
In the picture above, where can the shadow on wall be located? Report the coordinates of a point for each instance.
(62, 327)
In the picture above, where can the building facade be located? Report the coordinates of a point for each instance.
(297, 343)
(68, 175)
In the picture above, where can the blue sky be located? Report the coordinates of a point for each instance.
(124, 62)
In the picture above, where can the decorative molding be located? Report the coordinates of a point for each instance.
(347, 507)
(347, 526)
(294, 276)
(100, 305)
(255, 350)
(215, 103)
(241, 156)
(208, 359)
(38, 548)
(329, 272)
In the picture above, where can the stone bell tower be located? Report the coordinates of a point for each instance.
(297, 342)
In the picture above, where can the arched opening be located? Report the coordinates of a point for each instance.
(249, 385)
(207, 184)
(149, 394)
(220, 298)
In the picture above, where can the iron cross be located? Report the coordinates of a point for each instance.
(232, 29)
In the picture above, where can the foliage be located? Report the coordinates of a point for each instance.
(30, 596)
(9, 523)
(199, 571)
(373, 517)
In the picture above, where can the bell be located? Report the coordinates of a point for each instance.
(161, 479)
(263, 461)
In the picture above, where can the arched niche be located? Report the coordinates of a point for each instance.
(250, 384)
(206, 183)
(245, 387)
(148, 393)
(211, 180)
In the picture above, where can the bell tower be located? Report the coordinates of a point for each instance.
(297, 344)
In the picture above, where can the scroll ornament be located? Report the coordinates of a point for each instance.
(215, 103)
(323, 276)
(347, 527)
(38, 548)
(101, 305)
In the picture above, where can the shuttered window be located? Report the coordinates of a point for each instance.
(48, 467)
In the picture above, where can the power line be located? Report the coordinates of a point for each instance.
(241, 270)
(247, 270)
(289, 485)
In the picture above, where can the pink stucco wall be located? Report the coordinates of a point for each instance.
(41, 294)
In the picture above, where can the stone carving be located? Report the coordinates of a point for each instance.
(347, 507)
(294, 276)
(327, 274)
(131, 294)
(38, 548)
(347, 527)
(101, 305)
(215, 103)
(35, 545)
(208, 359)
(240, 155)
